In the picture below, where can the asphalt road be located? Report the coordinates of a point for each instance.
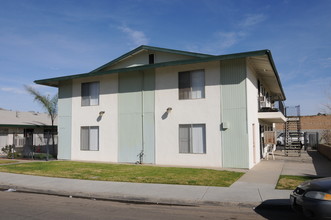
(15, 205)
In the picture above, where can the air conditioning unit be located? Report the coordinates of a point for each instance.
(262, 98)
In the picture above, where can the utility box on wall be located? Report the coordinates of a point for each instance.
(225, 126)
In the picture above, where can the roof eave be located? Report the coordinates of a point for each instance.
(55, 81)
(27, 126)
(268, 52)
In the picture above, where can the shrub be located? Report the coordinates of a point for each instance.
(8, 149)
(42, 156)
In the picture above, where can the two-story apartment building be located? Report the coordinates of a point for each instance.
(170, 107)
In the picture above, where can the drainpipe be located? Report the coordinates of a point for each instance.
(142, 118)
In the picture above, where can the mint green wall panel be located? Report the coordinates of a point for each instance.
(149, 88)
(149, 117)
(130, 137)
(136, 116)
(65, 120)
(149, 138)
(235, 147)
(130, 117)
(234, 113)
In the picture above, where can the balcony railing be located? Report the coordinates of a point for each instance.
(292, 111)
(278, 106)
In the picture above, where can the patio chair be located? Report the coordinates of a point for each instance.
(270, 150)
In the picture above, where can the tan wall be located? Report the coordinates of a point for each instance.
(314, 122)
(325, 150)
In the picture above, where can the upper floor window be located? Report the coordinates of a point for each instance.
(191, 84)
(90, 93)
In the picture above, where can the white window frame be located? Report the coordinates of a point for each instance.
(90, 92)
(192, 138)
(89, 138)
(193, 87)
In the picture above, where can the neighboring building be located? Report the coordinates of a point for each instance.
(170, 107)
(312, 127)
(24, 130)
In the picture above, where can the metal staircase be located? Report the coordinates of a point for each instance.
(293, 135)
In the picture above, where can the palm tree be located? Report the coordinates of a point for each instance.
(49, 104)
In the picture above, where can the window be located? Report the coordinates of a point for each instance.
(89, 138)
(191, 84)
(90, 93)
(3, 131)
(3, 137)
(192, 139)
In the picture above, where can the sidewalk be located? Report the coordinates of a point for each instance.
(254, 187)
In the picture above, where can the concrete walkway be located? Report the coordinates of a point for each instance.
(254, 187)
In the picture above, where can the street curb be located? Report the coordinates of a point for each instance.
(127, 199)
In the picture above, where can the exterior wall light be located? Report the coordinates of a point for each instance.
(169, 110)
(101, 113)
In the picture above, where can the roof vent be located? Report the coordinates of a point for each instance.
(151, 58)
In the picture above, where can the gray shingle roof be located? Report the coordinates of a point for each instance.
(28, 119)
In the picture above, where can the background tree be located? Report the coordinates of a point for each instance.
(327, 106)
(49, 104)
(326, 134)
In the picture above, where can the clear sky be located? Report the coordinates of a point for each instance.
(48, 38)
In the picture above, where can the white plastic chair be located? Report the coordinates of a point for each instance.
(270, 150)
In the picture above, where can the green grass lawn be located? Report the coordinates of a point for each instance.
(7, 161)
(126, 173)
(291, 182)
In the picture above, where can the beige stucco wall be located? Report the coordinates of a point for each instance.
(88, 116)
(252, 117)
(197, 111)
